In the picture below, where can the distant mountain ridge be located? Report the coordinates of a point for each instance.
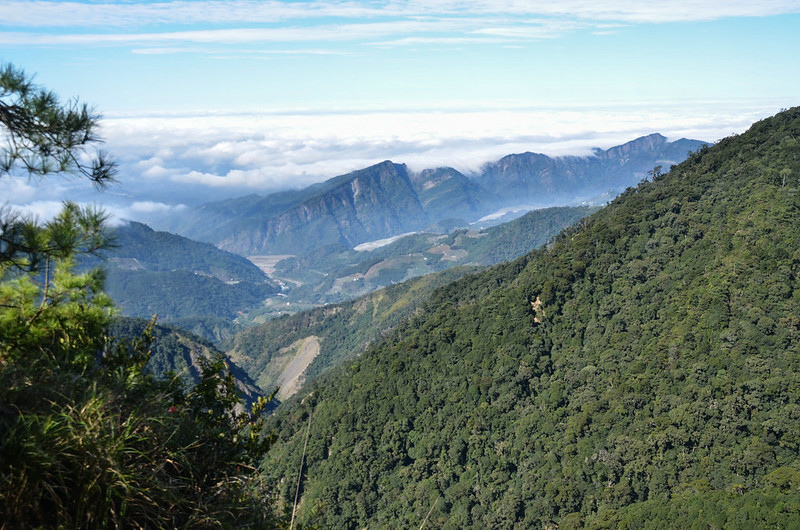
(530, 176)
(387, 199)
(184, 282)
(364, 205)
(336, 273)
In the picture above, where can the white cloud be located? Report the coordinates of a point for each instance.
(153, 207)
(317, 33)
(400, 22)
(33, 14)
(41, 210)
(265, 152)
(163, 50)
(23, 190)
(416, 41)
(45, 210)
(16, 190)
(240, 53)
(109, 14)
(167, 161)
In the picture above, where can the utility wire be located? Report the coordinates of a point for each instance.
(300, 474)
(429, 514)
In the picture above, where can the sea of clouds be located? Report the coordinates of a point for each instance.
(171, 162)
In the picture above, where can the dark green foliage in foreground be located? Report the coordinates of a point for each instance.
(641, 371)
(87, 437)
(172, 350)
(43, 136)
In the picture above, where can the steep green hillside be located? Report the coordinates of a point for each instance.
(178, 294)
(642, 370)
(337, 332)
(139, 247)
(184, 282)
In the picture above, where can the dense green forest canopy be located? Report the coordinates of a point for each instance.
(641, 370)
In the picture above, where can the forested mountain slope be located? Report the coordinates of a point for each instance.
(139, 247)
(642, 369)
(191, 284)
(327, 336)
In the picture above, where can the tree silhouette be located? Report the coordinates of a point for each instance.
(44, 136)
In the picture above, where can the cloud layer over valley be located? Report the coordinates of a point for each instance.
(172, 160)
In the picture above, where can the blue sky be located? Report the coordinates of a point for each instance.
(210, 99)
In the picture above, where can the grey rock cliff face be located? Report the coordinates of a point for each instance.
(372, 203)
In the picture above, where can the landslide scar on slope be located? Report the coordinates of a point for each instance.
(293, 376)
